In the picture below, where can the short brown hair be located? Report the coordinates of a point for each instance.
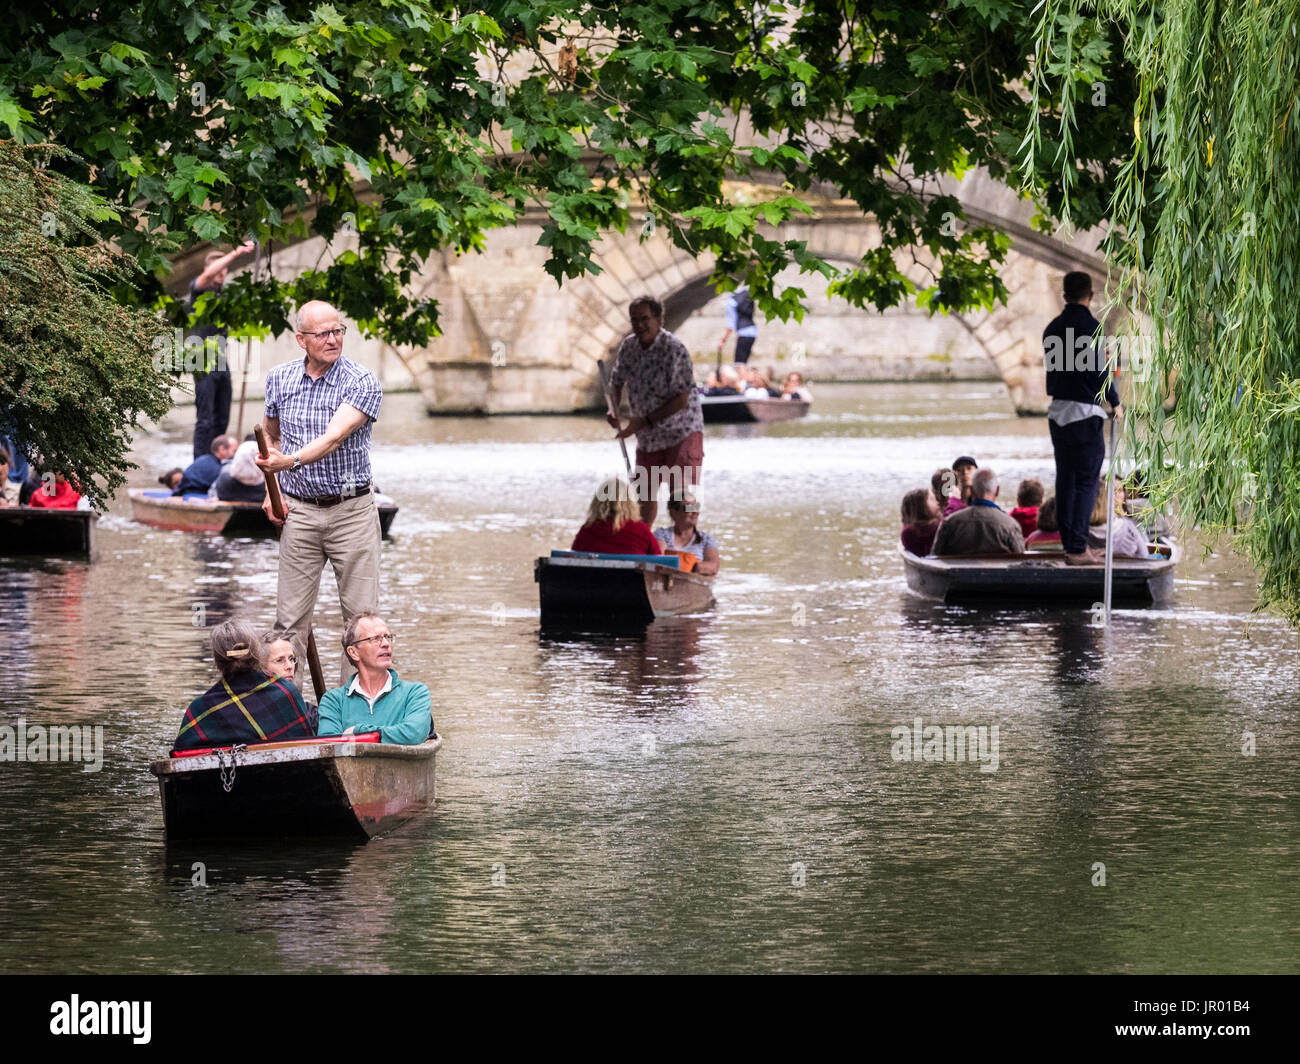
(1030, 493)
(914, 508)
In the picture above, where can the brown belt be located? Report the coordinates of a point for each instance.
(330, 500)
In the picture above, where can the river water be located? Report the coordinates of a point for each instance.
(720, 795)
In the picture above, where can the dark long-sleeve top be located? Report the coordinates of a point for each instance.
(1074, 359)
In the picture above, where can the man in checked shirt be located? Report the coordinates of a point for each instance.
(318, 417)
(655, 368)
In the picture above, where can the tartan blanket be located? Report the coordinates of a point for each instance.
(255, 706)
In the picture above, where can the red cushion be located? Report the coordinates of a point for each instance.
(364, 737)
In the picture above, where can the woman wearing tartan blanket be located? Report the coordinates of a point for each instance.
(247, 705)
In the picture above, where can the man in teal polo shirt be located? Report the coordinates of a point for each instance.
(376, 699)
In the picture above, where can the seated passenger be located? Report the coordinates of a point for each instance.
(1128, 538)
(171, 480)
(1029, 497)
(685, 539)
(4, 478)
(755, 384)
(981, 527)
(728, 383)
(281, 661)
(921, 521)
(794, 388)
(247, 705)
(963, 469)
(202, 473)
(376, 699)
(614, 524)
(15, 482)
(943, 485)
(242, 479)
(55, 494)
(1048, 534)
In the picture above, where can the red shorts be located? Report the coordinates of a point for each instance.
(677, 466)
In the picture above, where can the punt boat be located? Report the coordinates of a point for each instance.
(36, 530)
(586, 591)
(198, 513)
(333, 786)
(733, 410)
(1041, 577)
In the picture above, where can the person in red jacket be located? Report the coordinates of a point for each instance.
(58, 494)
(1028, 499)
(614, 524)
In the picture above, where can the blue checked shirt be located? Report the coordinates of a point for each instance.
(305, 407)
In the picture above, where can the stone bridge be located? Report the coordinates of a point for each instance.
(515, 342)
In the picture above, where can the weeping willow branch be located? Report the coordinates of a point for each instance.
(1205, 225)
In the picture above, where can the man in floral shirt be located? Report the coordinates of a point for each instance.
(656, 370)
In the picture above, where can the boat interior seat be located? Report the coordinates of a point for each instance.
(156, 493)
(669, 561)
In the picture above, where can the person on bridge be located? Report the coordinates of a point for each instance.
(740, 320)
(318, 417)
(980, 527)
(656, 369)
(1077, 381)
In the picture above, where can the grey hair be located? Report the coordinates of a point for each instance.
(350, 629)
(237, 648)
(984, 485)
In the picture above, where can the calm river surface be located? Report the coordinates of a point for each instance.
(719, 795)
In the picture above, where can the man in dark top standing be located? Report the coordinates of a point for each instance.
(740, 320)
(1078, 379)
(212, 388)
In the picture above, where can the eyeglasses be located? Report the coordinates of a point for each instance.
(325, 334)
(383, 637)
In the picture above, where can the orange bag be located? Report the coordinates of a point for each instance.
(686, 560)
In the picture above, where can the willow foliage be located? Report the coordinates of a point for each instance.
(1205, 237)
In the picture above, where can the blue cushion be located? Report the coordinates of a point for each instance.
(156, 494)
(671, 561)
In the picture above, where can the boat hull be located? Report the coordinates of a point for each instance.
(1038, 578)
(25, 530)
(226, 518)
(282, 790)
(599, 594)
(726, 410)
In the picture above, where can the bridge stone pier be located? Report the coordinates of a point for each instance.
(516, 342)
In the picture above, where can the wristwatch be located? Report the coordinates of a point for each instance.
(297, 462)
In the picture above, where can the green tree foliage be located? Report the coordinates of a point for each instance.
(422, 125)
(1206, 220)
(76, 368)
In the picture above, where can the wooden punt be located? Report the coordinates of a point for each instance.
(609, 591)
(309, 787)
(733, 410)
(198, 513)
(34, 530)
(1040, 577)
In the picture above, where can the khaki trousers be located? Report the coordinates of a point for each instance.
(348, 537)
